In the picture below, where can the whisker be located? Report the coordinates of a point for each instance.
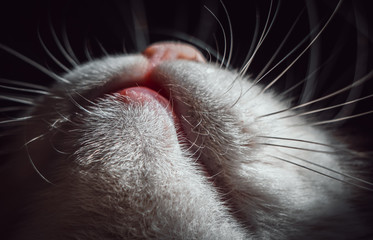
(16, 120)
(224, 37)
(361, 66)
(305, 49)
(340, 119)
(230, 34)
(87, 50)
(49, 53)
(257, 80)
(321, 173)
(40, 92)
(30, 159)
(244, 69)
(217, 51)
(332, 170)
(296, 148)
(60, 46)
(102, 48)
(354, 84)
(328, 108)
(196, 151)
(214, 177)
(193, 127)
(360, 154)
(263, 36)
(309, 86)
(63, 119)
(75, 103)
(278, 49)
(316, 70)
(141, 25)
(23, 100)
(255, 36)
(23, 84)
(33, 63)
(68, 47)
(13, 109)
(193, 144)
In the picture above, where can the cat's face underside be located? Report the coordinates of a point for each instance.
(163, 144)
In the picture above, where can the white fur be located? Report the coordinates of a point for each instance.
(119, 170)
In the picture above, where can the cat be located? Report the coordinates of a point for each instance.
(168, 143)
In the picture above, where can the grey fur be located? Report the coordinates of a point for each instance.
(120, 171)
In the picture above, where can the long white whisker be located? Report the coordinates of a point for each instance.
(296, 148)
(328, 108)
(13, 109)
(30, 159)
(255, 36)
(354, 84)
(17, 99)
(224, 37)
(141, 27)
(306, 48)
(343, 149)
(15, 121)
(59, 45)
(262, 37)
(309, 86)
(102, 48)
(331, 170)
(66, 69)
(321, 173)
(23, 84)
(25, 90)
(257, 80)
(230, 34)
(33, 63)
(360, 66)
(68, 47)
(316, 70)
(72, 99)
(87, 50)
(279, 48)
(265, 32)
(340, 119)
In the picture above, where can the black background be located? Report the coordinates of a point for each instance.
(111, 23)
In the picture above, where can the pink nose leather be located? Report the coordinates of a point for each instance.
(165, 51)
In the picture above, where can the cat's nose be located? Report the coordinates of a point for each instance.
(165, 51)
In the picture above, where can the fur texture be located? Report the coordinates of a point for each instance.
(237, 163)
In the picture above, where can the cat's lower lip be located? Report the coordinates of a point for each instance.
(143, 94)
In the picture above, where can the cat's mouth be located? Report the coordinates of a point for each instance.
(144, 95)
(146, 89)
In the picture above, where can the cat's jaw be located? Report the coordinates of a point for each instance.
(220, 116)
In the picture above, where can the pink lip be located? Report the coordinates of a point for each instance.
(143, 94)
